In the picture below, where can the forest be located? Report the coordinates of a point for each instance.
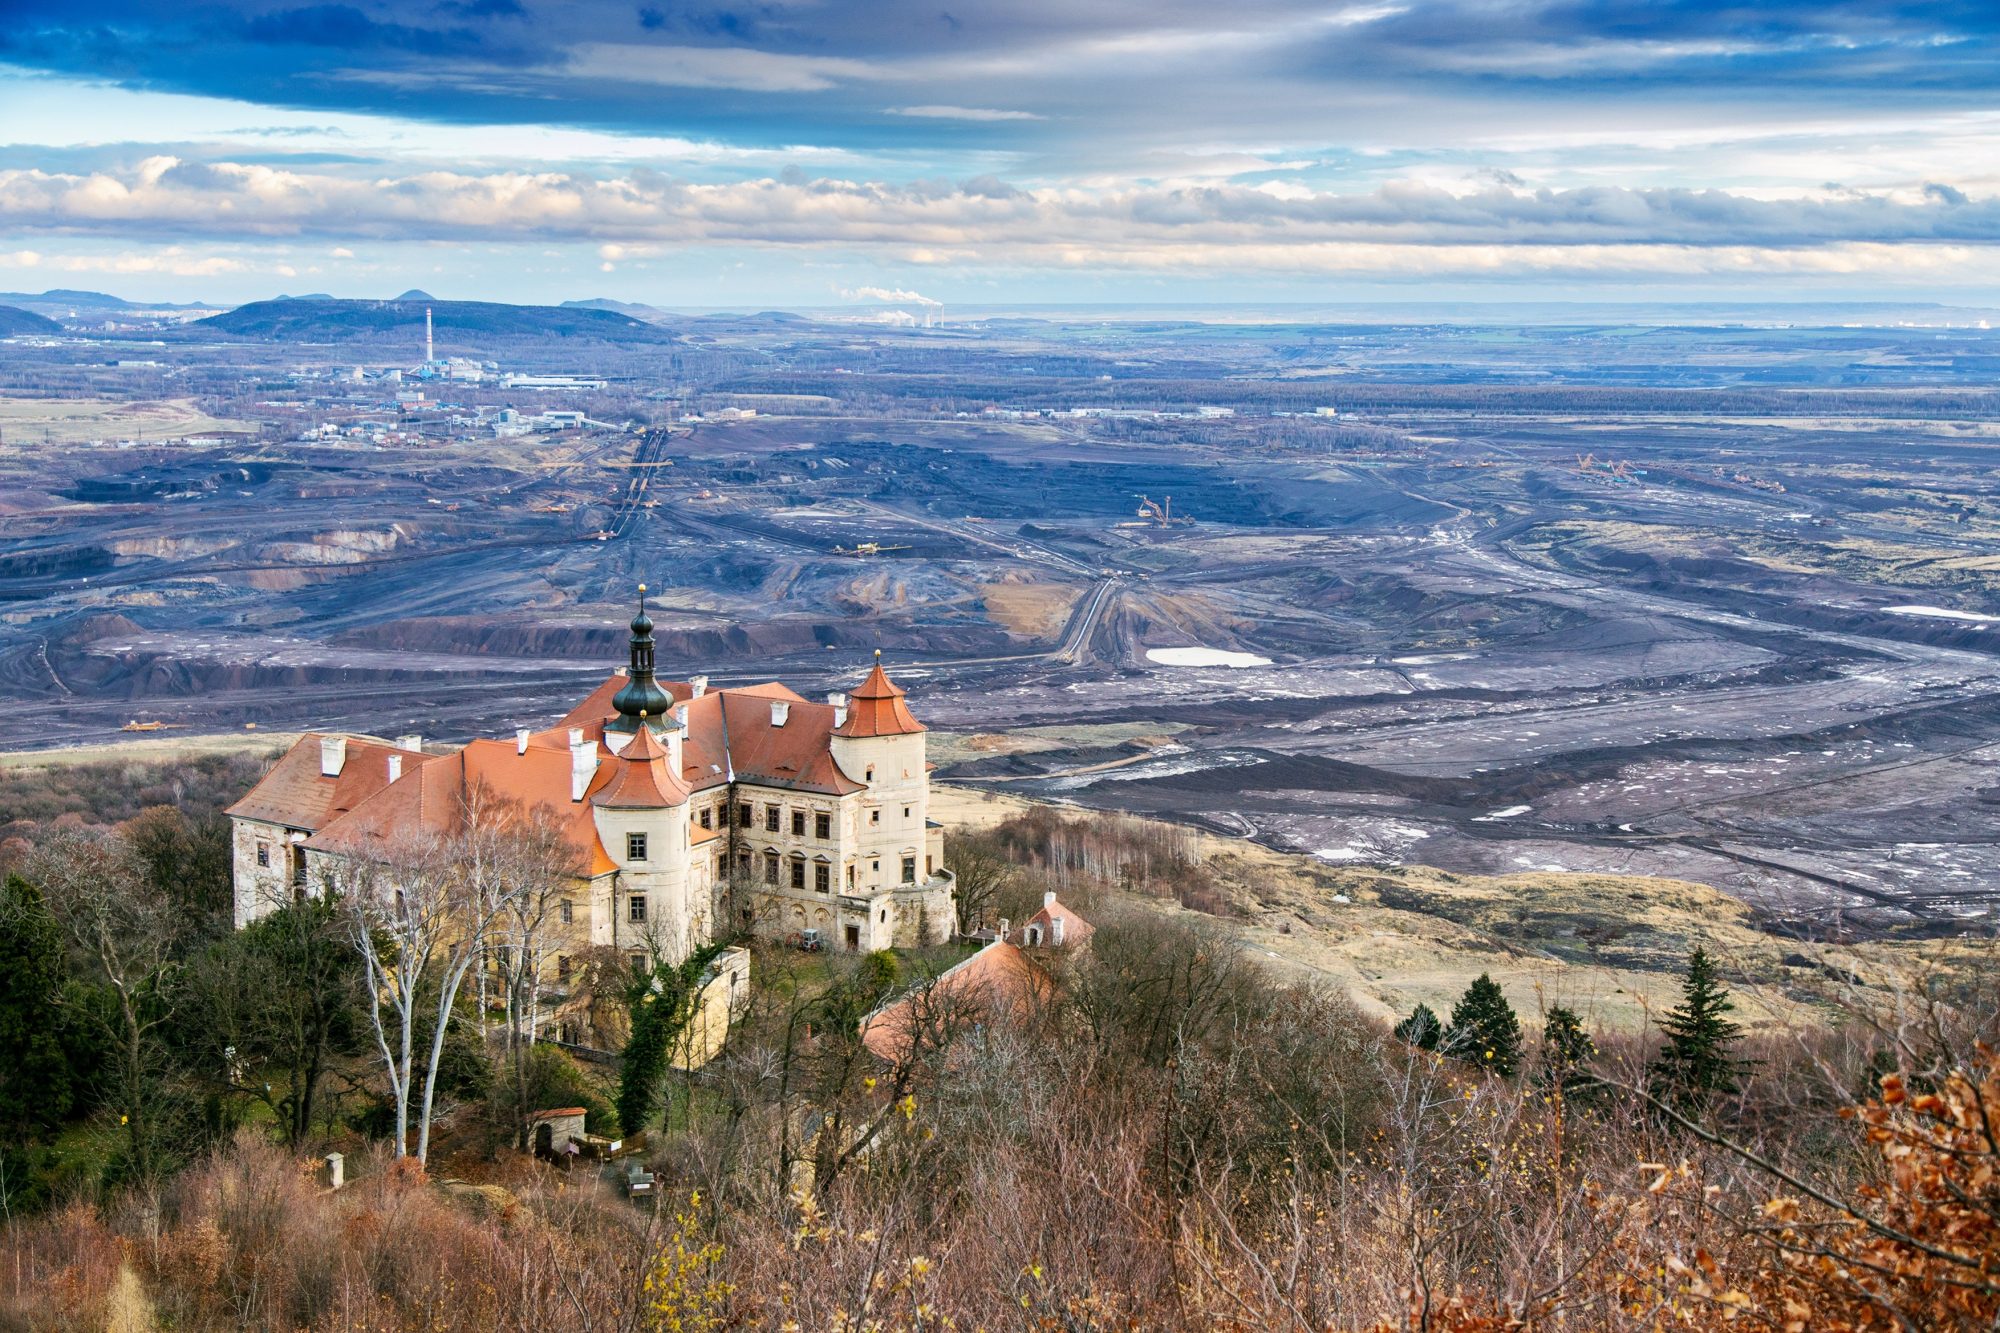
(1161, 1135)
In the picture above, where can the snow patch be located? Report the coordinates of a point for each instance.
(1204, 657)
(1937, 613)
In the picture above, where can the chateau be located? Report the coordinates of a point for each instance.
(691, 812)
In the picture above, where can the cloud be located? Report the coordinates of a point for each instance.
(740, 68)
(166, 196)
(171, 260)
(961, 113)
(887, 295)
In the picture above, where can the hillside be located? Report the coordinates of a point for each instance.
(15, 321)
(1611, 947)
(312, 320)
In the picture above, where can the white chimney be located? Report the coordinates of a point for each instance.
(575, 737)
(1003, 929)
(837, 699)
(332, 755)
(681, 714)
(521, 740)
(840, 716)
(582, 768)
(780, 710)
(395, 767)
(1048, 897)
(699, 684)
(412, 742)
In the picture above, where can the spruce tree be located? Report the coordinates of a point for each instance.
(1696, 1064)
(1566, 1052)
(1484, 1030)
(37, 1088)
(1421, 1029)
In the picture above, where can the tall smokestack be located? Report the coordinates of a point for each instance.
(430, 351)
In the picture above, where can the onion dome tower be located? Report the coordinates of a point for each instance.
(641, 702)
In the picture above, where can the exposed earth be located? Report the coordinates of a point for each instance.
(1704, 604)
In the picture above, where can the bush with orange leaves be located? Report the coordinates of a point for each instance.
(1913, 1245)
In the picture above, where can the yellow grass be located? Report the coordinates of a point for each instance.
(26, 421)
(1416, 934)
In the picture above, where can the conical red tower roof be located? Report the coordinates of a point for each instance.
(877, 708)
(642, 781)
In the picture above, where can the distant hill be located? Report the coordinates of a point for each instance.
(416, 294)
(337, 321)
(632, 308)
(63, 301)
(14, 320)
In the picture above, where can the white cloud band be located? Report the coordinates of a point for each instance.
(986, 223)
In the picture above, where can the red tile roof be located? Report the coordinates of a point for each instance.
(433, 800)
(797, 756)
(997, 984)
(1076, 930)
(295, 794)
(877, 709)
(730, 736)
(640, 780)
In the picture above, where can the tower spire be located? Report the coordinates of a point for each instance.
(640, 702)
(430, 350)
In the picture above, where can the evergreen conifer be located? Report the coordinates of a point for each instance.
(1696, 1064)
(1484, 1030)
(36, 1086)
(1421, 1029)
(1566, 1052)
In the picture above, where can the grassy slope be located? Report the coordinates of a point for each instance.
(1611, 947)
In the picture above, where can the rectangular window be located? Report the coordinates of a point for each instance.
(567, 911)
(743, 815)
(906, 812)
(798, 874)
(562, 967)
(909, 870)
(635, 847)
(770, 819)
(822, 827)
(707, 817)
(770, 867)
(263, 853)
(635, 909)
(874, 816)
(850, 876)
(798, 823)
(823, 878)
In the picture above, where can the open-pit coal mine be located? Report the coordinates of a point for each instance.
(1746, 632)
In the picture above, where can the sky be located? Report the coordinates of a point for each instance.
(807, 153)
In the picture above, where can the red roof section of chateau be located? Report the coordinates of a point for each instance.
(762, 734)
(877, 709)
(640, 780)
(296, 794)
